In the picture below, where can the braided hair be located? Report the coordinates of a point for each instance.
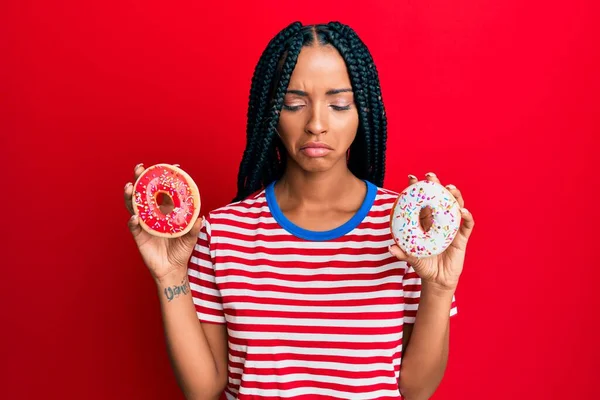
(265, 156)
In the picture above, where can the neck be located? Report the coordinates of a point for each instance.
(317, 188)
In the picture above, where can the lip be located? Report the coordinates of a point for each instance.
(315, 145)
(315, 149)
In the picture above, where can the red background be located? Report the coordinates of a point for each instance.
(498, 98)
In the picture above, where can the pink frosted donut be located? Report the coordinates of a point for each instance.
(406, 227)
(174, 182)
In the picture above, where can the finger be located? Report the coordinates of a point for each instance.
(166, 200)
(128, 192)
(137, 171)
(134, 226)
(192, 235)
(466, 227)
(412, 180)
(400, 255)
(430, 176)
(457, 194)
(195, 231)
(426, 218)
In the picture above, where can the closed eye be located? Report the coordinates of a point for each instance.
(340, 108)
(292, 108)
(298, 107)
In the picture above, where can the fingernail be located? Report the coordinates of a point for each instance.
(412, 177)
(139, 165)
(431, 174)
(133, 217)
(127, 185)
(464, 211)
(450, 186)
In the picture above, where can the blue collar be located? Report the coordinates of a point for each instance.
(320, 235)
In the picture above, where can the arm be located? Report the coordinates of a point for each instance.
(425, 357)
(198, 351)
(426, 343)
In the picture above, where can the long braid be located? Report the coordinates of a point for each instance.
(265, 156)
(266, 144)
(376, 103)
(360, 149)
(259, 92)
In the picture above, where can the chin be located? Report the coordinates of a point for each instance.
(315, 168)
(321, 164)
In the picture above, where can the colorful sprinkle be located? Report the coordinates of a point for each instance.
(405, 225)
(159, 180)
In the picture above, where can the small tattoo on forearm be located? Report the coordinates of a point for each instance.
(176, 290)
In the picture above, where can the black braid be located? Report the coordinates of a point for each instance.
(261, 84)
(264, 158)
(378, 112)
(361, 149)
(375, 93)
(265, 148)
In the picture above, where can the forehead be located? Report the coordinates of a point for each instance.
(320, 66)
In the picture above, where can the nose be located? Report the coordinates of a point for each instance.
(317, 123)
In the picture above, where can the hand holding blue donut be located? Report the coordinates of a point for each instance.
(440, 268)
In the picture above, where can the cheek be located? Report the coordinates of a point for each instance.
(349, 125)
(288, 130)
(286, 123)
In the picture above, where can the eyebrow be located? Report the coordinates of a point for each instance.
(328, 93)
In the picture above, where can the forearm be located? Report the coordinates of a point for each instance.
(424, 360)
(187, 345)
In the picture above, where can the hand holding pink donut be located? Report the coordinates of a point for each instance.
(442, 270)
(162, 255)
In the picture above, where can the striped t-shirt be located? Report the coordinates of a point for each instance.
(310, 315)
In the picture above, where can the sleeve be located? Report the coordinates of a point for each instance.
(411, 283)
(201, 274)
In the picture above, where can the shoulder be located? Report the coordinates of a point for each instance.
(239, 212)
(384, 198)
(386, 193)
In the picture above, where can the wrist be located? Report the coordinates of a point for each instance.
(173, 277)
(437, 290)
(173, 285)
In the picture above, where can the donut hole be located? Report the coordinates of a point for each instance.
(165, 202)
(426, 218)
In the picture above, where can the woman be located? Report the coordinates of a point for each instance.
(295, 290)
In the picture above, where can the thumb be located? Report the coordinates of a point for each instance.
(195, 231)
(134, 225)
(466, 228)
